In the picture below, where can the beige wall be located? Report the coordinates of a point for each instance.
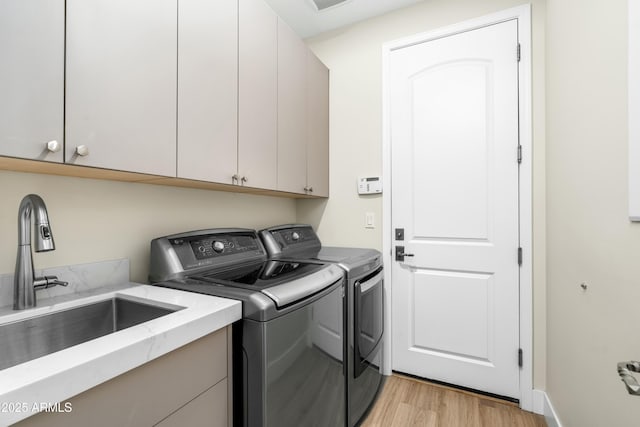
(95, 220)
(581, 230)
(354, 57)
(589, 238)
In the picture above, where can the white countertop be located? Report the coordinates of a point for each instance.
(59, 376)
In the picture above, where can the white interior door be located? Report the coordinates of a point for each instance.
(454, 139)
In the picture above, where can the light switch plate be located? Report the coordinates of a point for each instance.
(369, 220)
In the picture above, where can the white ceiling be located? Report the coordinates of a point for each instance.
(302, 16)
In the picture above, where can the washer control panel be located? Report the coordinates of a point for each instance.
(205, 247)
(182, 254)
(294, 236)
(289, 240)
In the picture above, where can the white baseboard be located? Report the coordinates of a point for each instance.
(540, 398)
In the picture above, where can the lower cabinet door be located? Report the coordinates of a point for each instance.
(207, 410)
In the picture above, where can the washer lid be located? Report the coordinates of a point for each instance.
(295, 290)
(284, 282)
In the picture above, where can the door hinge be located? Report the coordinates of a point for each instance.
(518, 54)
(519, 256)
(519, 154)
(520, 357)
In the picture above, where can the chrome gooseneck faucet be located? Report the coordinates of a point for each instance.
(25, 283)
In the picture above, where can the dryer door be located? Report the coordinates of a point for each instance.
(368, 319)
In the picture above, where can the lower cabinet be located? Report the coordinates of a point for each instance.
(187, 387)
(206, 410)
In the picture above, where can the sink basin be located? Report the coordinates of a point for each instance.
(37, 336)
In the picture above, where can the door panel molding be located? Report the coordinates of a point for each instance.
(523, 16)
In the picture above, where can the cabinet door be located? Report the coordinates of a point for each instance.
(31, 78)
(257, 94)
(208, 89)
(121, 84)
(207, 410)
(292, 114)
(317, 126)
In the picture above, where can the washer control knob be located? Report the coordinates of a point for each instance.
(295, 235)
(218, 247)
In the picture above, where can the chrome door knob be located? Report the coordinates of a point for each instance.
(82, 150)
(54, 146)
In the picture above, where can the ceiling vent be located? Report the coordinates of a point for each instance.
(326, 4)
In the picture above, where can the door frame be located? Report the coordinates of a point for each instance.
(523, 15)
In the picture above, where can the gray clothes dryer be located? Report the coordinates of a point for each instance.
(364, 303)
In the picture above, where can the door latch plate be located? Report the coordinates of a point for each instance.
(400, 254)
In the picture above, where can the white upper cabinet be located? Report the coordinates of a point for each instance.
(257, 95)
(121, 84)
(212, 91)
(292, 114)
(317, 127)
(208, 90)
(32, 79)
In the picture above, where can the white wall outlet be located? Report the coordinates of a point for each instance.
(369, 220)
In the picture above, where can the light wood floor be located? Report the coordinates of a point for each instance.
(409, 402)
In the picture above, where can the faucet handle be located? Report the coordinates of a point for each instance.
(47, 282)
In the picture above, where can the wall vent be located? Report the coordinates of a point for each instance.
(326, 4)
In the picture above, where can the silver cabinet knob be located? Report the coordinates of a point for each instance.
(310, 189)
(82, 150)
(54, 146)
(244, 179)
(234, 178)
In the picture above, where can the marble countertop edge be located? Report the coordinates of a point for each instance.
(61, 375)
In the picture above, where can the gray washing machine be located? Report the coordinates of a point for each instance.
(288, 348)
(364, 307)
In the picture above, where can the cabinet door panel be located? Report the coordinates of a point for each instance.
(150, 393)
(292, 115)
(31, 78)
(317, 126)
(207, 410)
(208, 89)
(121, 84)
(257, 94)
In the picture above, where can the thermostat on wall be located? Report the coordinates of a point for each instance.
(370, 185)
